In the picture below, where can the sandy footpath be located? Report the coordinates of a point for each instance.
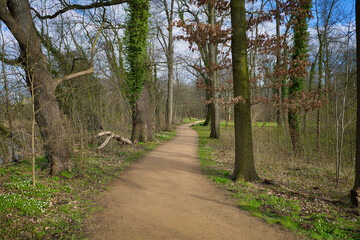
(165, 196)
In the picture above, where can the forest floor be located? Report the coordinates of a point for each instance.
(299, 194)
(165, 195)
(57, 207)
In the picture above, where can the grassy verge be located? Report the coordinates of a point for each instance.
(310, 217)
(57, 206)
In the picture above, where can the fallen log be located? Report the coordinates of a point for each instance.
(110, 136)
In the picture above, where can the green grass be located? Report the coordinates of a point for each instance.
(301, 215)
(57, 206)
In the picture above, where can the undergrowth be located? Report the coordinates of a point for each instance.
(57, 206)
(309, 216)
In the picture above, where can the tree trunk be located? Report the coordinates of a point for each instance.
(142, 130)
(208, 114)
(294, 127)
(321, 60)
(355, 192)
(215, 125)
(170, 65)
(244, 169)
(278, 57)
(297, 82)
(17, 17)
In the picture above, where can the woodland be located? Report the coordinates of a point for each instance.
(88, 86)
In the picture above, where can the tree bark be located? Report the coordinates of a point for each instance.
(170, 64)
(278, 57)
(244, 169)
(208, 114)
(355, 192)
(215, 124)
(142, 130)
(17, 17)
(321, 62)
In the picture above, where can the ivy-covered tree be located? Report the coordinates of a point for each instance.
(301, 13)
(136, 35)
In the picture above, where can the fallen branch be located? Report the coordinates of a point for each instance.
(110, 136)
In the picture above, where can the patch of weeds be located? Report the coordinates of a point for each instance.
(221, 180)
(66, 174)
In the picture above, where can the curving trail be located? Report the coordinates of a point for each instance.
(165, 196)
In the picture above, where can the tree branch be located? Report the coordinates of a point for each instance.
(100, 3)
(110, 136)
(57, 81)
(11, 23)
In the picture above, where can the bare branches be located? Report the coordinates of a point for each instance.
(91, 69)
(67, 7)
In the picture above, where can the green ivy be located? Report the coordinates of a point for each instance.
(136, 34)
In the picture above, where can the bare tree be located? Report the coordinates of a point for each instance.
(17, 17)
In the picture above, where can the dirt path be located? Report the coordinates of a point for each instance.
(165, 196)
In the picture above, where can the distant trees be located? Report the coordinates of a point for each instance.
(167, 44)
(205, 32)
(244, 169)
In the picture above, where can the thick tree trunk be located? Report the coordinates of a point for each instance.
(355, 193)
(208, 114)
(16, 15)
(244, 169)
(142, 130)
(293, 119)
